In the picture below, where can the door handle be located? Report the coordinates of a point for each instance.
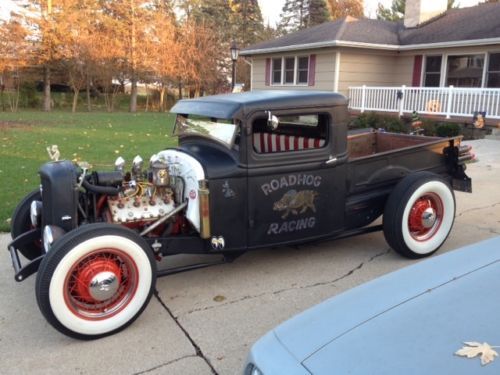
(330, 161)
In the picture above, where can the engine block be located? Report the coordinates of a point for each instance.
(138, 209)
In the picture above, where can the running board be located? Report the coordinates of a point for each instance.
(196, 266)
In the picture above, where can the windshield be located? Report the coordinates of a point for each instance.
(221, 130)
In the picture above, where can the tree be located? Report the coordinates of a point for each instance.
(79, 34)
(301, 14)
(14, 53)
(247, 21)
(44, 24)
(162, 53)
(396, 12)
(127, 22)
(318, 13)
(343, 8)
(292, 17)
(198, 59)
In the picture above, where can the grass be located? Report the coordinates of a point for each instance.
(98, 138)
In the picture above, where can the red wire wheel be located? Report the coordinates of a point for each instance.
(101, 284)
(426, 216)
(95, 280)
(419, 214)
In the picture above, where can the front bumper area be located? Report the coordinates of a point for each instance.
(22, 272)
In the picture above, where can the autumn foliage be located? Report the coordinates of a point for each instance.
(99, 48)
(99, 45)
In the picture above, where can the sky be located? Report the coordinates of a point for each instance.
(271, 9)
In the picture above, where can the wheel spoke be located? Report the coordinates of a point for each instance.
(101, 284)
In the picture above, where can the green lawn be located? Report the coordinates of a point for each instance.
(98, 138)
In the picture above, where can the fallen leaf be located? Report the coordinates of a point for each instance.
(219, 298)
(473, 349)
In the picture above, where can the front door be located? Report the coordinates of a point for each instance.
(294, 196)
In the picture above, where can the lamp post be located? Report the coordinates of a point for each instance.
(235, 51)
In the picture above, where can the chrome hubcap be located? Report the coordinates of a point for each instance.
(429, 218)
(103, 286)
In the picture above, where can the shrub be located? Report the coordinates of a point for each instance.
(28, 97)
(365, 120)
(447, 130)
(376, 121)
(429, 128)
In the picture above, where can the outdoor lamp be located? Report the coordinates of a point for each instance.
(235, 51)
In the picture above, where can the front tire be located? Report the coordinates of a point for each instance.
(419, 215)
(21, 222)
(95, 281)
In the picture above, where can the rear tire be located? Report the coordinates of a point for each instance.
(419, 215)
(21, 222)
(95, 281)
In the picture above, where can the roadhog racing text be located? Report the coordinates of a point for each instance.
(291, 181)
(295, 202)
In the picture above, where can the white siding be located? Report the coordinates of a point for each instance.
(358, 67)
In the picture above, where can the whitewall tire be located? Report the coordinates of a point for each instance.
(419, 215)
(95, 281)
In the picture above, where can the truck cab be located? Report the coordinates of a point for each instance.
(272, 186)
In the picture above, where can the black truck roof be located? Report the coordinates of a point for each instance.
(227, 106)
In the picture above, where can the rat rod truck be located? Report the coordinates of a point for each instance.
(251, 170)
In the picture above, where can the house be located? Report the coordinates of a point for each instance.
(432, 48)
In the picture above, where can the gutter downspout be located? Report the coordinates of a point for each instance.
(337, 72)
(251, 70)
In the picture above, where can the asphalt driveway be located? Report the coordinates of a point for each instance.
(204, 321)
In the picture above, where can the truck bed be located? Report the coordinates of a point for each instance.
(370, 143)
(378, 159)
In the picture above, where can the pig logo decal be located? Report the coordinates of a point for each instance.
(296, 202)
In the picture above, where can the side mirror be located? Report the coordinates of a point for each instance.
(272, 121)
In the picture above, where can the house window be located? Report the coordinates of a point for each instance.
(302, 69)
(295, 70)
(277, 71)
(432, 75)
(289, 70)
(465, 71)
(493, 79)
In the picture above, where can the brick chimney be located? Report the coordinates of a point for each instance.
(419, 11)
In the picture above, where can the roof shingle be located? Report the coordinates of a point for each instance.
(478, 22)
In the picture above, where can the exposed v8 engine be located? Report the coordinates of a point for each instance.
(145, 196)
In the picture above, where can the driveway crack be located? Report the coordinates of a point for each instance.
(477, 209)
(276, 292)
(197, 349)
(165, 364)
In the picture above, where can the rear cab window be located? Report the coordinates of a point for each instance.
(294, 133)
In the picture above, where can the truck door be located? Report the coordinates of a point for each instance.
(295, 195)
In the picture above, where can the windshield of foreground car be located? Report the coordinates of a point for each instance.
(221, 130)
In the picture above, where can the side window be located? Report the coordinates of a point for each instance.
(432, 73)
(294, 133)
(276, 79)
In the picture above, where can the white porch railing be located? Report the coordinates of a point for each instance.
(446, 101)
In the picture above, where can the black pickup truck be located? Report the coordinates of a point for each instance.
(251, 170)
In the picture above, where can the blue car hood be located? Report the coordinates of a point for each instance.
(412, 318)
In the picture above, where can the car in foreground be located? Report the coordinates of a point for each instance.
(411, 321)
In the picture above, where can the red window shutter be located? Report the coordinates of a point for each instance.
(268, 71)
(312, 70)
(417, 71)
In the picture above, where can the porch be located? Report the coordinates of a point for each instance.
(442, 103)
